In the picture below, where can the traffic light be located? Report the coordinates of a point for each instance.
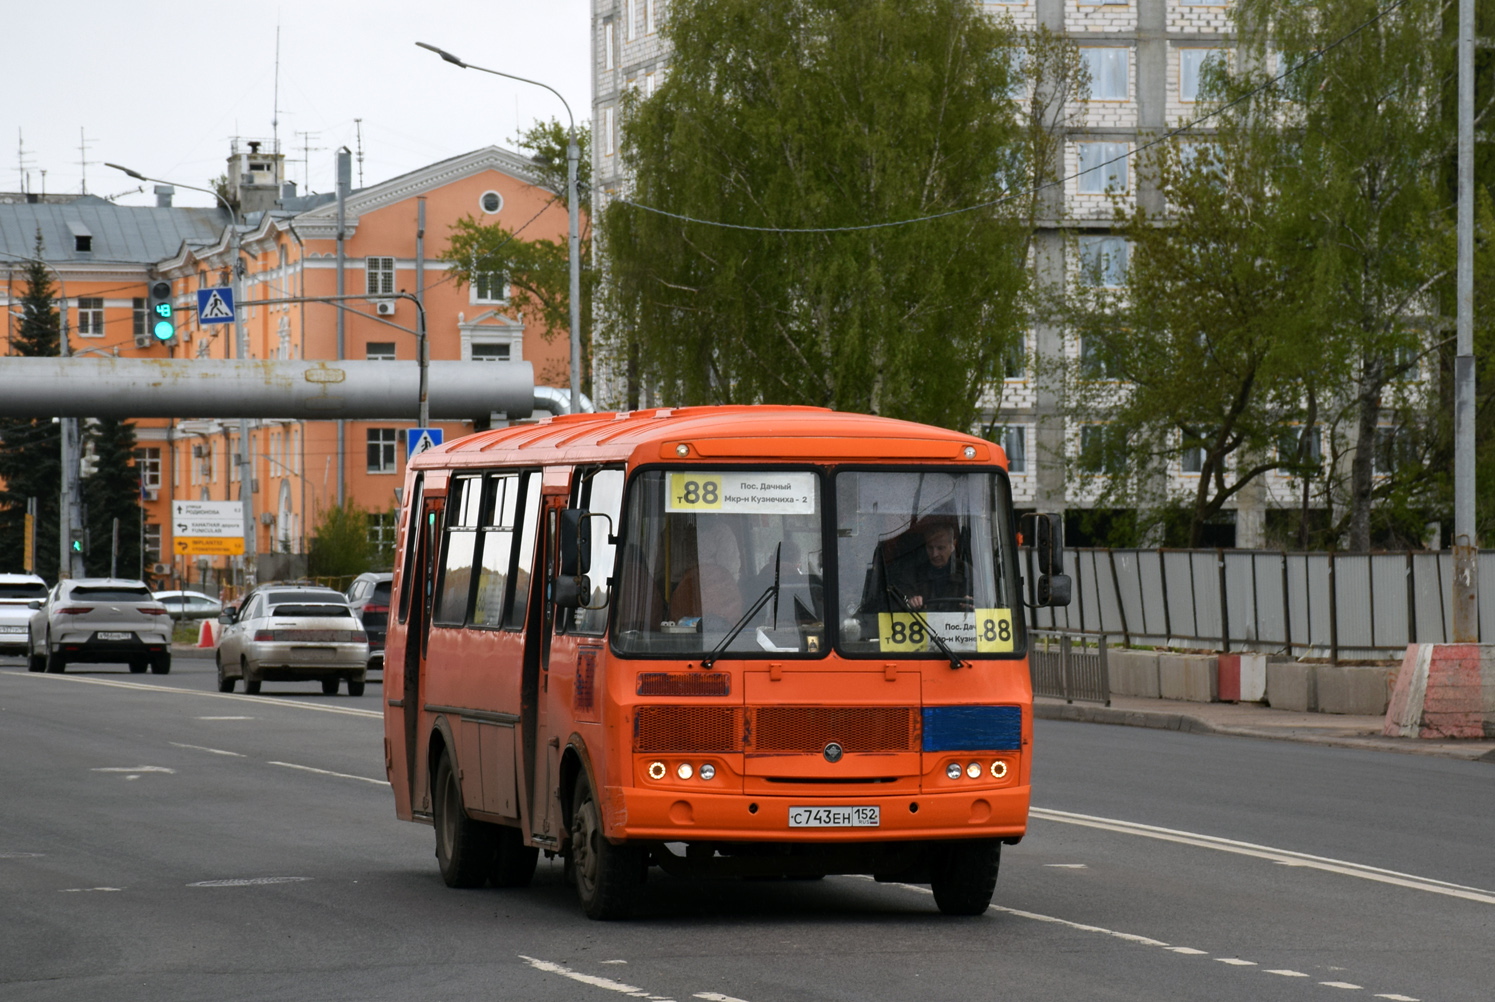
(162, 314)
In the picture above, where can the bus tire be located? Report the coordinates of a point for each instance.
(965, 876)
(513, 861)
(464, 847)
(607, 875)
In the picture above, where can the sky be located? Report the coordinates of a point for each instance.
(163, 86)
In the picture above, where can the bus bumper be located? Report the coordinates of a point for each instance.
(674, 816)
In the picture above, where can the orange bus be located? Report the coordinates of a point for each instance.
(788, 640)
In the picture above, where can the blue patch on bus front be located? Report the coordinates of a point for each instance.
(972, 728)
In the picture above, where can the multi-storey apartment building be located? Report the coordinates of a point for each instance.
(105, 254)
(1144, 59)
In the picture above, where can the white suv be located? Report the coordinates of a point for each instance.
(17, 592)
(100, 620)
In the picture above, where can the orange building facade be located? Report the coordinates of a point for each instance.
(301, 468)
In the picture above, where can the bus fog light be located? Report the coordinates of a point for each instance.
(708, 771)
(953, 770)
(656, 770)
(998, 769)
(683, 770)
(974, 770)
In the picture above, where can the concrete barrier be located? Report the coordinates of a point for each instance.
(1133, 673)
(1353, 689)
(1444, 691)
(1189, 677)
(1290, 686)
(1242, 678)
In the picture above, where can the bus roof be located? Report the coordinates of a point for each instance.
(754, 433)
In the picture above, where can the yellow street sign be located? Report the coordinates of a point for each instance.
(220, 546)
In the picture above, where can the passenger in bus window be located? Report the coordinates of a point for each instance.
(932, 575)
(709, 589)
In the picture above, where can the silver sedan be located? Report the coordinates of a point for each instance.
(295, 634)
(99, 620)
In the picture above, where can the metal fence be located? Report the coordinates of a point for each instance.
(1339, 605)
(1069, 667)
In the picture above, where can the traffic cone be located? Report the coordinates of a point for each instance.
(205, 634)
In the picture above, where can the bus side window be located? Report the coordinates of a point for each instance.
(527, 522)
(463, 509)
(495, 561)
(412, 535)
(602, 495)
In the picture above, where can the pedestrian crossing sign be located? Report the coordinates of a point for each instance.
(215, 306)
(421, 439)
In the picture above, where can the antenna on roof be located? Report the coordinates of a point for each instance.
(21, 165)
(275, 111)
(83, 160)
(307, 148)
(358, 126)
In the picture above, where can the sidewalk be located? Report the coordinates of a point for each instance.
(1253, 720)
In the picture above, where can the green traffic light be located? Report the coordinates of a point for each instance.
(163, 330)
(77, 546)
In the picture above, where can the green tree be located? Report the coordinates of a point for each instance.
(820, 115)
(537, 271)
(112, 492)
(339, 545)
(30, 448)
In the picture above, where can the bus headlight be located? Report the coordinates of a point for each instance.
(683, 770)
(656, 770)
(708, 771)
(953, 770)
(998, 769)
(974, 770)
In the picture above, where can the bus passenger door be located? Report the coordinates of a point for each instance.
(541, 761)
(422, 585)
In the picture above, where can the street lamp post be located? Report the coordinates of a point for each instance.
(241, 349)
(573, 157)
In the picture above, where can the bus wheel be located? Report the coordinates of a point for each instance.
(606, 875)
(513, 861)
(965, 876)
(464, 847)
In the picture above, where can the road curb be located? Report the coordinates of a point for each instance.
(1187, 723)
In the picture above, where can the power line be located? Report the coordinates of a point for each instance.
(993, 203)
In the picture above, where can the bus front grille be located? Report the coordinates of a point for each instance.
(854, 728)
(687, 729)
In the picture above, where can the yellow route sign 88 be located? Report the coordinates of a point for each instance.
(695, 492)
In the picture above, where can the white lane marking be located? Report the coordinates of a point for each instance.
(1235, 961)
(613, 961)
(550, 967)
(714, 997)
(1342, 984)
(85, 890)
(1065, 866)
(329, 772)
(20, 855)
(225, 718)
(1187, 951)
(135, 769)
(1398, 998)
(1287, 856)
(1287, 974)
(248, 881)
(145, 687)
(215, 751)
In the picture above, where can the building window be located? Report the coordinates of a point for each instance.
(630, 20)
(1102, 448)
(491, 202)
(379, 351)
(148, 462)
(1014, 442)
(1108, 66)
(152, 542)
(650, 82)
(381, 447)
(90, 317)
(1103, 168)
(490, 353)
(1191, 64)
(1290, 441)
(137, 318)
(607, 132)
(489, 287)
(1191, 459)
(381, 532)
(609, 47)
(1103, 262)
(1094, 362)
(649, 16)
(1395, 448)
(379, 276)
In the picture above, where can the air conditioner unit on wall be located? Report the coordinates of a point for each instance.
(385, 308)
(160, 568)
(151, 495)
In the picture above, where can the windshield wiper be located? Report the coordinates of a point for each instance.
(939, 641)
(772, 591)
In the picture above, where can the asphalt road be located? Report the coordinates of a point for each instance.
(162, 841)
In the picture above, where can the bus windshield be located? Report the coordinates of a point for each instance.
(701, 547)
(921, 553)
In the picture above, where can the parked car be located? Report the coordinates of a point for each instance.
(189, 604)
(292, 633)
(99, 621)
(369, 597)
(17, 591)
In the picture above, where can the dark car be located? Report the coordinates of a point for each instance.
(369, 597)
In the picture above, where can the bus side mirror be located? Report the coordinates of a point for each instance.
(1051, 586)
(572, 591)
(576, 542)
